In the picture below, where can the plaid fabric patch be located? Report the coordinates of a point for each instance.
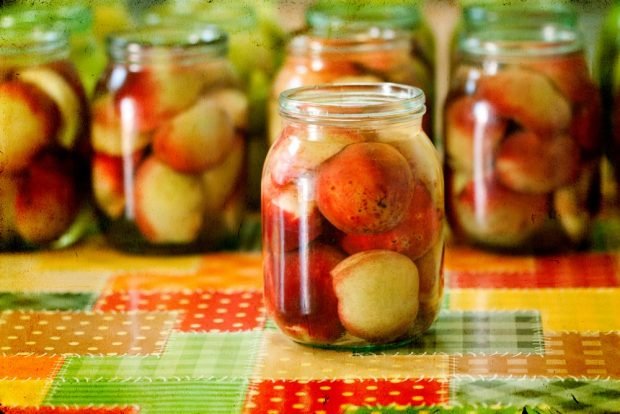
(457, 332)
(46, 301)
(565, 396)
(154, 396)
(193, 356)
(334, 395)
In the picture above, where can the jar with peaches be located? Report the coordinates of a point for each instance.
(522, 132)
(168, 133)
(353, 219)
(353, 53)
(44, 150)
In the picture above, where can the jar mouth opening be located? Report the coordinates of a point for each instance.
(157, 41)
(232, 19)
(326, 15)
(479, 16)
(521, 40)
(351, 39)
(27, 41)
(73, 18)
(353, 102)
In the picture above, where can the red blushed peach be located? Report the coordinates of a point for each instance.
(155, 95)
(377, 293)
(290, 216)
(8, 195)
(473, 132)
(169, 205)
(47, 199)
(529, 163)
(586, 125)
(72, 111)
(302, 152)
(112, 135)
(300, 295)
(196, 139)
(430, 272)
(527, 97)
(108, 177)
(365, 188)
(489, 213)
(220, 181)
(413, 236)
(29, 120)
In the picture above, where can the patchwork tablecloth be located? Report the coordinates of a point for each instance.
(90, 330)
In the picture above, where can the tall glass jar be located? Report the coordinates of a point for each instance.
(352, 213)
(352, 54)
(522, 133)
(76, 20)
(44, 150)
(169, 135)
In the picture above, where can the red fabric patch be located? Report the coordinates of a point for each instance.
(61, 410)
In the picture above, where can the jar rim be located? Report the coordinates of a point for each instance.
(522, 40)
(350, 40)
(353, 102)
(41, 42)
(326, 15)
(152, 41)
(232, 19)
(481, 15)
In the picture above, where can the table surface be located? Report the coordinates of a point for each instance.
(91, 330)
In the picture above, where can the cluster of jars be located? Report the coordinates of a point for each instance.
(198, 114)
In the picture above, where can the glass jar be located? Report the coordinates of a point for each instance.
(364, 54)
(522, 134)
(169, 135)
(352, 214)
(44, 151)
(76, 21)
(256, 43)
(329, 16)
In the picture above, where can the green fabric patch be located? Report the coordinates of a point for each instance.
(154, 396)
(451, 410)
(187, 355)
(565, 396)
(46, 301)
(459, 332)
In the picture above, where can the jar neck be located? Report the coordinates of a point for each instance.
(480, 16)
(521, 41)
(355, 41)
(327, 15)
(350, 105)
(166, 43)
(27, 46)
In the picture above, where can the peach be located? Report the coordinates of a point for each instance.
(419, 230)
(300, 295)
(489, 213)
(529, 163)
(365, 188)
(155, 95)
(29, 120)
(473, 130)
(196, 139)
(234, 103)
(430, 272)
(586, 126)
(303, 152)
(220, 181)
(290, 216)
(72, 112)
(108, 176)
(169, 205)
(112, 135)
(377, 293)
(528, 98)
(47, 199)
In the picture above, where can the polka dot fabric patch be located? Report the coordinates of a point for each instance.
(334, 396)
(201, 311)
(84, 333)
